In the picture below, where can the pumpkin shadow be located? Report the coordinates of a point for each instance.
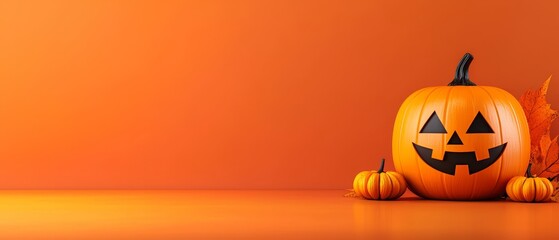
(410, 199)
(417, 198)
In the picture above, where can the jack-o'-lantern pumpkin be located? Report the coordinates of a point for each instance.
(461, 141)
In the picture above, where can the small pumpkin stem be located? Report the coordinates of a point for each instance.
(529, 171)
(381, 169)
(462, 77)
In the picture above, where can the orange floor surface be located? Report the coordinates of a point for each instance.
(211, 214)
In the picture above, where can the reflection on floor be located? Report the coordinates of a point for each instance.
(212, 214)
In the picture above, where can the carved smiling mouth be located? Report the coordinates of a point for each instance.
(451, 159)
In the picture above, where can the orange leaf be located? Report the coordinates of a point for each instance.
(351, 193)
(538, 112)
(545, 144)
(548, 163)
(555, 195)
(544, 154)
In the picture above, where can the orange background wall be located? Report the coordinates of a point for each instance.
(239, 94)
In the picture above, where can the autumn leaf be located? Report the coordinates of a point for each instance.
(351, 193)
(545, 144)
(538, 112)
(547, 165)
(555, 195)
(544, 154)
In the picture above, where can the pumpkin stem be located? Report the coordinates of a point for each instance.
(461, 77)
(381, 169)
(529, 171)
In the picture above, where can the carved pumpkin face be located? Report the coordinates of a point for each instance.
(460, 142)
(451, 159)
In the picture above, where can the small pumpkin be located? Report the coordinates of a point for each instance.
(379, 185)
(529, 188)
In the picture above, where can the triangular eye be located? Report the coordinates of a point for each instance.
(433, 125)
(479, 125)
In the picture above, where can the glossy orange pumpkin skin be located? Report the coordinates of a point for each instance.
(456, 107)
(379, 185)
(529, 188)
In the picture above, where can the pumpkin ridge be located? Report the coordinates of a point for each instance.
(520, 190)
(550, 189)
(375, 193)
(422, 185)
(542, 192)
(395, 186)
(444, 148)
(535, 190)
(509, 188)
(357, 181)
(391, 184)
(380, 186)
(401, 182)
(523, 190)
(516, 114)
(363, 186)
(500, 136)
(473, 99)
(396, 147)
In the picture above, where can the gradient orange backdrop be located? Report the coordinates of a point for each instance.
(239, 94)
